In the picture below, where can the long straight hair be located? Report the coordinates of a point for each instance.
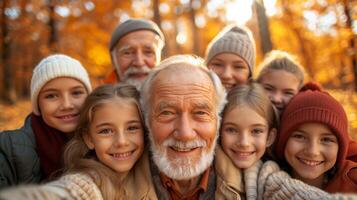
(78, 158)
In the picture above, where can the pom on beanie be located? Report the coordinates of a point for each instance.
(52, 67)
(311, 86)
(237, 40)
(132, 25)
(312, 105)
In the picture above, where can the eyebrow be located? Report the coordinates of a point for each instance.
(55, 89)
(123, 48)
(164, 104)
(202, 105)
(103, 124)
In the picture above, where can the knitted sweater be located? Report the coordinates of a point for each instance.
(74, 186)
(267, 181)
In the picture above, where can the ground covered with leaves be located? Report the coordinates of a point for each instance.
(12, 116)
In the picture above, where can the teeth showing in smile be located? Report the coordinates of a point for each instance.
(67, 116)
(182, 149)
(244, 153)
(310, 162)
(122, 155)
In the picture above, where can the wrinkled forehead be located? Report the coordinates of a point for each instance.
(182, 78)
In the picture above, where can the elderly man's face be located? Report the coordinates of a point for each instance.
(183, 123)
(135, 55)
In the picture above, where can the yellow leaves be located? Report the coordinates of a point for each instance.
(99, 57)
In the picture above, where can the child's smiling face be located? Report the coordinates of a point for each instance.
(60, 101)
(311, 151)
(116, 134)
(245, 136)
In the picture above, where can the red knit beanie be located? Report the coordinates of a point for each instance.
(311, 105)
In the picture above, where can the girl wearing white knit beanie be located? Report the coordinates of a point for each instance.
(59, 86)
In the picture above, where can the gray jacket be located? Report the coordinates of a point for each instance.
(19, 161)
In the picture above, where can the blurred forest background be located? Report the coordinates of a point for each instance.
(322, 33)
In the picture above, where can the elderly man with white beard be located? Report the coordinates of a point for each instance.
(135, 49)
(181, 101)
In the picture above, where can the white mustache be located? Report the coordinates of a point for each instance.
(133, 70)
(171, 142)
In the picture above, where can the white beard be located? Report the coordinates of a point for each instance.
(182, 168)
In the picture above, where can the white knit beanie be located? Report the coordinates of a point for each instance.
(52, 67)
(233, 39)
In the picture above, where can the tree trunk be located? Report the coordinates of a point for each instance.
(352, 43)
(263, 24)
(53, 37)
(304, 52)
(196, 39)
(9, 94)
(157, 20)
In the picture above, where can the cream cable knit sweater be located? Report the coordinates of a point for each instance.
(70, 187)
(267, 181)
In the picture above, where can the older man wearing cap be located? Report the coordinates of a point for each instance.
(135, 48)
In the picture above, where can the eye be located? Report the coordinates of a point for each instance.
(268, 88)
(216, 64)
(134, 128)
(257, 131)
(200, 113)
(298, 136)
(239, 67)
(166, 113)
(51, 96)
(105, 131)
(230, 130)
(78, 92)
(328, 140)
(289, 93)
(127, 52)
(149, 52)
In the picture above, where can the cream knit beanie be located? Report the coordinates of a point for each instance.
(233, 39)
(52, 67)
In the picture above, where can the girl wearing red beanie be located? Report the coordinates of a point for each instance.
(313, 141)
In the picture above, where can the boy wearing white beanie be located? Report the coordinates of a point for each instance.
(59, 86)
(231, 54)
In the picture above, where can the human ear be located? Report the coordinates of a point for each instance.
(88, 141)
(271, 137)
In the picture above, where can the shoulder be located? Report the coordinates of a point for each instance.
(22, 136)
(229, 178)
(140, 177)
(18, 157)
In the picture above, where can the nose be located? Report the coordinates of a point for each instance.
(67, 102)
(139, 59)
(227, 72)
(312, 148)
(184, 130)
(120, 139)
(243, 139)
(276, 98)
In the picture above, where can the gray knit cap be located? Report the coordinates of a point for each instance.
(236, 40)
(132, 25)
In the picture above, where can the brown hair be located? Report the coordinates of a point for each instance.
(78, 158)
(281, 60)
(254, 96)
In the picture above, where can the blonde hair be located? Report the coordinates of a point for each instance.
(281, 60)
(253, 96)
(78, 158)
